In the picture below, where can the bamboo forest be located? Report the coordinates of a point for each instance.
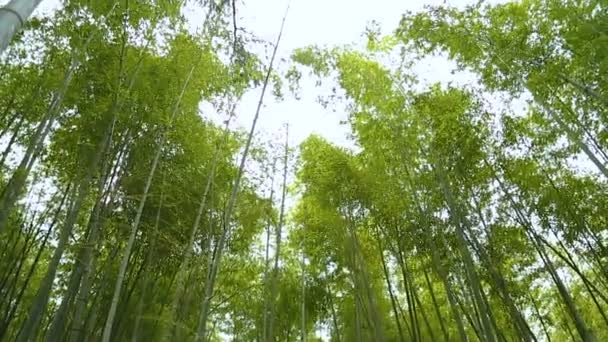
(145, 197)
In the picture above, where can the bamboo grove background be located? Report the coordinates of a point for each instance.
(460, 213)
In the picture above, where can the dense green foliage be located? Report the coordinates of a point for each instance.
(460, 213)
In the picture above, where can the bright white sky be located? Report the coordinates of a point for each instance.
(324, 23)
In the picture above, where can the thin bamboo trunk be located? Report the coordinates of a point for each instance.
(540, 318)
(107, 331)
(146, 281)
(334, 316)
(266, 306)
(16, 262)
(7, 110)
(583, 88)
(424, 318)
(522, 328)
(14, 187)
(585, 129)
(12, 141)
(41, 248)
(570, 133)
(573, 136)
(201, 333)
(499, 333)
(87, 278)
(358, 328)
(360, 268)
(589, 286)
(28, 243)
(584, 332)
(444, 331)
(42, 296)
(390, 288)
(441, 272)
(583, 225)
(125, 311)
(277, 252)
(127, 253)
(459, 222)
(180, 281)
(80, 277)
(411, 305)
(57, 327)
(470, 320)
(568, 258)
(30, 327)
(303, 301)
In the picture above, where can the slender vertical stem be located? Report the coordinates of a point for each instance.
(267, 279)
(212, 274)
(303, 301)
(180, 278)
(277, 252)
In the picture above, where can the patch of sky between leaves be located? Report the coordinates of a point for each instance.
(327, 26)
